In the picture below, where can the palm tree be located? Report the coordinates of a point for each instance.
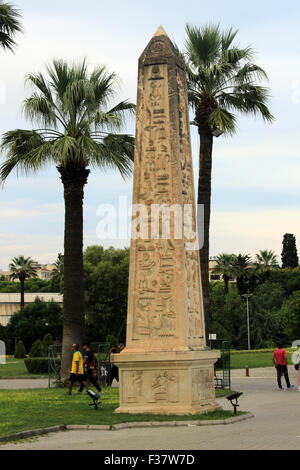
(57, 273)
(9, 26)
(242, 269)
(22, 268)
(76, 130)
(266, 261)
(224, 267)
(222, 80)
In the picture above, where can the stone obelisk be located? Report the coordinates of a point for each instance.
(166, 367)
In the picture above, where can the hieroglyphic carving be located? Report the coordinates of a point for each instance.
(135, 386)
(155, 312)
(165, 387)
(194, 310)
(202, 384)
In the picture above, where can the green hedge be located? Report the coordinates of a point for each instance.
(249, 351)
(36, 349)
(37, 365)
(20, 350)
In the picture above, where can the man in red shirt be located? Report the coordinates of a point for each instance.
(280, 362)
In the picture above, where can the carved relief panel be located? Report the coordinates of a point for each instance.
(202, 384)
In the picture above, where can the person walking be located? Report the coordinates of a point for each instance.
(77, 369)
(90, 369)
(280, 361)
(114, 370)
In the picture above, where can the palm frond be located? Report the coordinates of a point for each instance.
(203, 44)
(224, 120)
(9, 25)
(26, 151)
(60, 76)
(227, 38)
(117, 151)
(38, 109)
(38, 81)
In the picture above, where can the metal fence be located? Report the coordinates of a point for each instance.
(222, 366)
(101, 351)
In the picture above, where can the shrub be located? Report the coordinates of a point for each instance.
(47, 341)
(34, 321)
(112, 340)
(20, 352)
(37, 365)
(36, 349)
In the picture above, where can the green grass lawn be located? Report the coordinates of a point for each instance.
(253, 360)
(14, 367)
(220, 392)
(22, 410)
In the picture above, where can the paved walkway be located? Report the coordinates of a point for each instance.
(276, 425)
(15, 384)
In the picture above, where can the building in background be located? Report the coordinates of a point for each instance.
(43, 271)
(10, 303)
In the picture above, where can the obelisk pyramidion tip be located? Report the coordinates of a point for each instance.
(160, 32)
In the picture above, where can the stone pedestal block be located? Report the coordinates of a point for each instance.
(167, 382)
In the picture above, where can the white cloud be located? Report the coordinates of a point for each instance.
(17, 209)
(42, 248)
(251, 231)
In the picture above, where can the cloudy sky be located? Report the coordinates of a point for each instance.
(256, 173)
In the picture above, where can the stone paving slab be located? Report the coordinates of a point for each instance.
(18, 384)
(262, 372)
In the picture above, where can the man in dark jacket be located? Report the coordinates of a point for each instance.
(90, 369)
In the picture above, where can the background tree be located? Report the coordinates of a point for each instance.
(106, 291)
(227, 313)
(47, 341)
(31, 285)
(222, 81)
(225, 268)
(57, 274)
(289, 257)
(241, 270)
(266, 323)
(21, 268)
(36, 320)
(289, 279)
(77, 129)
(36, 349)
(20, 352)
(266, 261)
(9, 26)
(291, 316)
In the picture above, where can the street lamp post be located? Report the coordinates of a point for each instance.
(247, 296)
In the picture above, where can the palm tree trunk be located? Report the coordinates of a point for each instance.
(73, 178)
(204, 197)
(22, 288)
(226, 282)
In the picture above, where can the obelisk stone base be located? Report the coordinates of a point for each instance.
(177, 382)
